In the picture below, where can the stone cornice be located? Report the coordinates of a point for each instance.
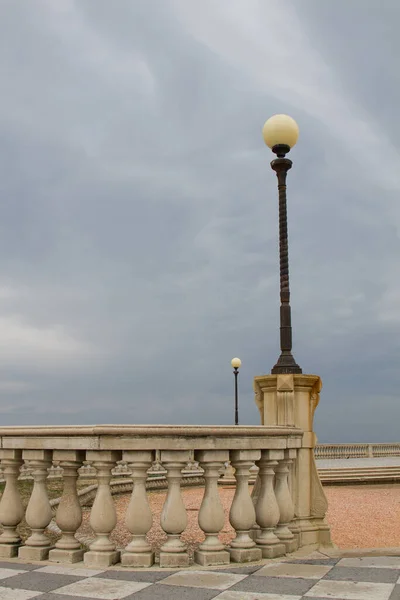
(148, 430)
(267, 383)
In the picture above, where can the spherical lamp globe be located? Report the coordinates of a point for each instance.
(280, 130)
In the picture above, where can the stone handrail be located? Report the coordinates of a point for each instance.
(330, 451)
(264, 526)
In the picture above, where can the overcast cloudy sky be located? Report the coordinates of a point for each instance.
(138, 211)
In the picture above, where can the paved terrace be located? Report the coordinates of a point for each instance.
(315, 576)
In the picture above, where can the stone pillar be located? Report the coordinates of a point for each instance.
(291, 400)
(285, 503)
(267, 509)
(242, 515)
(173, 517)
(69, 513)
(38, 513)
(211, 514)
(103, 516)
(11, 509)
(138, 519)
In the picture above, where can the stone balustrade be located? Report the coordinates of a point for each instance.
(331, 451)
(265, 524)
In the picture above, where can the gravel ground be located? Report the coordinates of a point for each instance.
(360, 517)
(364, 516)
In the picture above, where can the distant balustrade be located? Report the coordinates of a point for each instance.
(104, 452)
(332, 451)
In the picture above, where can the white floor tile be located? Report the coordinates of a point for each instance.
(381, 562)
(228, 595)
(297, 570)
(10, 572)
(203, 579)
(350, 590)
(9, 594)
(104, 589)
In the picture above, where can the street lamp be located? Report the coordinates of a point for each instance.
(236, 362)
(281, 133)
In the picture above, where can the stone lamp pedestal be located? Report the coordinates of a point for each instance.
(291, 400)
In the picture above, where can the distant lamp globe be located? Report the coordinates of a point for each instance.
(280, 133)
(236, 363)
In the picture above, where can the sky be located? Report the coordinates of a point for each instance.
(139, 213)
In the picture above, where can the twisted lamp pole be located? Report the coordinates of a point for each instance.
(236, 363)
(280, 134)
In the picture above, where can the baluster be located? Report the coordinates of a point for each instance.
(38, 513)
(11, 508)
(285, 503)
(69, 513)
(138, 519)
(242, 515)
(211, 514)
(294, 526)
(267, 509)
(103, 516)
(173, 517)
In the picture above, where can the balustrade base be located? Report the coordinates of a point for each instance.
(243, 555)
(272, 551)
(315, 531)
(94, 558)
(9, 550)
(208, 559)
(174, 559)
(34, 552)
(254, 532)
(66, 556)
(295, 529)
(137, 559)
(290, 545)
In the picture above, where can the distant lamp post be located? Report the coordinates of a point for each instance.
(281, 133)
(236, 362)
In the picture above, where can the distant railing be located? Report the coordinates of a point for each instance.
(356, 450)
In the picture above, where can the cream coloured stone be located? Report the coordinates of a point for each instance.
(106, 456)
(69, 456)
(267, 509)
(175, 456)
(245, 555)
(242, 515)
(105, 444)
(211, 513)
(49, 442)
(38, 513)
(103, 516)
(28, 553)
(102, 560)
(58, 555)
(69, 513)
(173, 552)
(11, 508)
(309, 499)
(285, 503)
(138, 519)
(157, 437)
(211, 456)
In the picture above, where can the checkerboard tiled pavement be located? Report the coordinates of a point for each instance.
(364, 578)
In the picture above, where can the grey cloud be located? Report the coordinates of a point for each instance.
(138, 213)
